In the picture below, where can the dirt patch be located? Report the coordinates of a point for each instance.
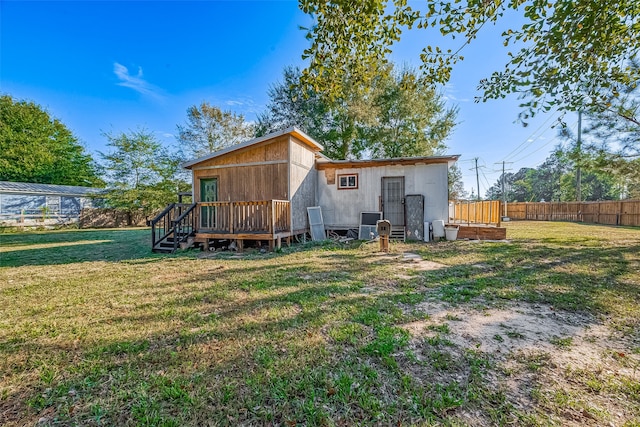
(408, 261)
(559, 361)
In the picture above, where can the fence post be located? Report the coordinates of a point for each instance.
(619, 214)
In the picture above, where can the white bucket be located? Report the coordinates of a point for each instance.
(438, 229)
(451, 231)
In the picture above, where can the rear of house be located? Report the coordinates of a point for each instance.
(407, 191)
(260, 190)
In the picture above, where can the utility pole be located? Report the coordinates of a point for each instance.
(579, 161)
(504, 187)
(477, 178)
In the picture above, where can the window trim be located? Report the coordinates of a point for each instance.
(348, 187)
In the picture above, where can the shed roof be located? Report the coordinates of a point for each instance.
(325, 163)
(8, 187)
(294, 131)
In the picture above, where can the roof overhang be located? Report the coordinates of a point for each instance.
(293, 131)
(324, 163)
(36, 189)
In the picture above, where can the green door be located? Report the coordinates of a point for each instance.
(208, 193)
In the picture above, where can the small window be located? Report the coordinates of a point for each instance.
(348, 182)
(53, 204)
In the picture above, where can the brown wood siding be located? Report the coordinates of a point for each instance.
(247, 183)
(255, 173)
(270, 151)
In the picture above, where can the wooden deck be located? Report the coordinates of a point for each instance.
(183, 225)
(268, 220)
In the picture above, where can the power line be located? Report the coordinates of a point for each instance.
(538, 149)
(528, 141)
(534, 151)
(485, 179)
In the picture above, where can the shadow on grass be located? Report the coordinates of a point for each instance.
(68, 247)
(588, 278)
(258, 350)
(246, 346)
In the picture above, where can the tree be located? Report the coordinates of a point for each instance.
(401, 117)
(555, 180)
(568, 54)
(546, 179)
(336, 123)
(412, 119)
(209, 129)
(517, 187)
(456, 186)
(34, 147)
(614, 138)
(141, 173)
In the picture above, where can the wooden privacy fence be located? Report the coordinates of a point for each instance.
(612, 212)
(475, 212)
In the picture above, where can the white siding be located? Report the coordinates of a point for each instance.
(341, 208)
(302, 183)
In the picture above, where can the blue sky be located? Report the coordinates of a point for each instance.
(119, 65)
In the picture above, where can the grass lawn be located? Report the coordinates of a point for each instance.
(542, 329)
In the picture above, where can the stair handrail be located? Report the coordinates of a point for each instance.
(166, 210)
(157, 219)
(187, 218)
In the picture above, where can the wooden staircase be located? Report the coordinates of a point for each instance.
(173, 228)
(171, 243)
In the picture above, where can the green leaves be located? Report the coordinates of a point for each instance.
(397, 115)
(141, 173)
(565, 53)
(34, 147)
(209, 129)
(351, 38)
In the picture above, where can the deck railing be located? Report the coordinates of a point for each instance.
(254, 217)
(486, 212)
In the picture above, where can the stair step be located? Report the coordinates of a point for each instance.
(183, 239)
(397, 233)
(162, 251)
